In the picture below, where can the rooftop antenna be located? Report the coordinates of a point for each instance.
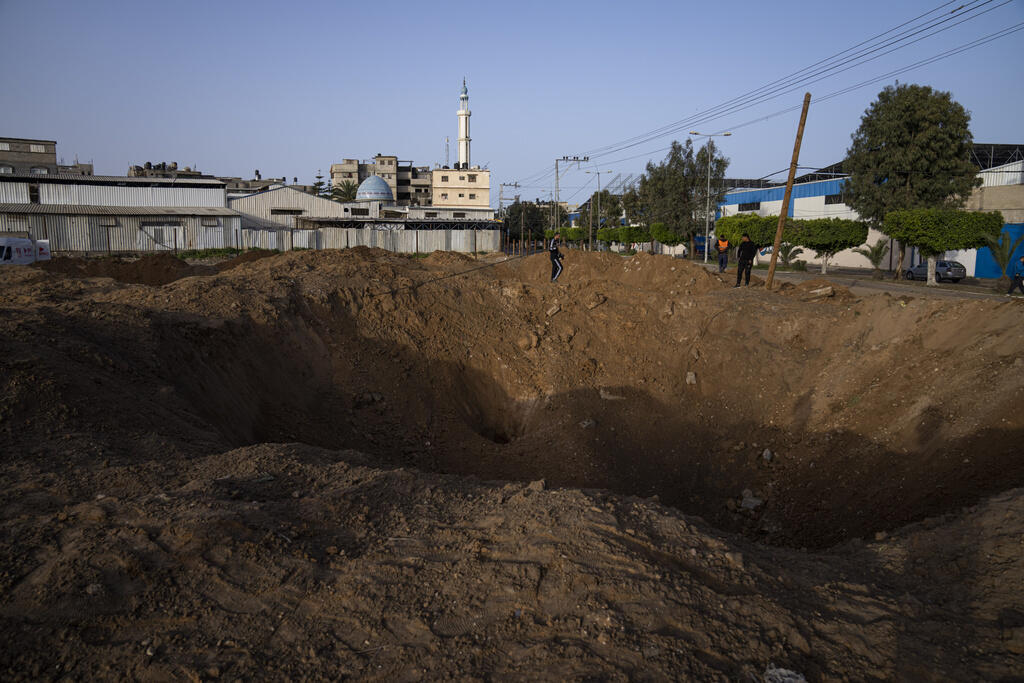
(446, 151)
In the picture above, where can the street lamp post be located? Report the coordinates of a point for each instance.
(707, 203)
(590, 240)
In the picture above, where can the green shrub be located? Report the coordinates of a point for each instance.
(665, 235)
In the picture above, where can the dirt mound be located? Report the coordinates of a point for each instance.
(794, 424)
(245, 257)
(152, 269)
(448, 259)
(290, 562)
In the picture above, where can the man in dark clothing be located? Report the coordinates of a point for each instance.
(556, 257)
(745, 259)
(723, 254)
(1018, 277)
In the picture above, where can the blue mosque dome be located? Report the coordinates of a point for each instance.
(374, 189)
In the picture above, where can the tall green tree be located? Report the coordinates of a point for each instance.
(674, 191)
(321, 188)
(531, 217)
(611, 211)
(760, 229)
(345, 191)
(935, 231)
(911, 151)
(829, 236)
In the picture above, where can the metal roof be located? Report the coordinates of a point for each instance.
(85, 210)
(74, 178)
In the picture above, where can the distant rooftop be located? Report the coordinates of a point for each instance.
(75, 179)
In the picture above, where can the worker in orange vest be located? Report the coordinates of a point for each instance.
(723, 254)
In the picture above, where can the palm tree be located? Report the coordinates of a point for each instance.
(344, 191)
(1002, 251)
(875, 253)
(788, 252)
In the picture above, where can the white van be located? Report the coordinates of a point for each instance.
(19, 249)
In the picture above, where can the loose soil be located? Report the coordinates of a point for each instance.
(330, 464)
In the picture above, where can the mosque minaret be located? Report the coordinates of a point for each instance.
(464, 138)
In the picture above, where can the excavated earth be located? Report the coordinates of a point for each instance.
(356, 464)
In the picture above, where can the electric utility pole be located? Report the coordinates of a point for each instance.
(789, 191)
(577, 161)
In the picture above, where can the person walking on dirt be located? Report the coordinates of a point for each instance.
(745, 259)
(556, 257)
(1018, 277)
(723, 254)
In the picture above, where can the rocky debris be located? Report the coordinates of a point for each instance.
(588, 423)
(528, 341)
(595, 301)
(749, 501)
(819, 293)
(609, 396)
(767, 456)
(691, 378)
(368, 398)
(774, 674)
(553, 310)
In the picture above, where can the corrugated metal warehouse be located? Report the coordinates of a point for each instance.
(120, 229)
(114, 214)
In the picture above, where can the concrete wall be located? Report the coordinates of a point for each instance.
(1009, 199)
(399, 241)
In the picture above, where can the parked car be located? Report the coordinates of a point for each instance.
(944, 270)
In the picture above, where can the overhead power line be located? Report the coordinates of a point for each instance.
(906, 33)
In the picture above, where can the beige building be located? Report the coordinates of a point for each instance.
(410, 185)
(21, 156)
(457, 187)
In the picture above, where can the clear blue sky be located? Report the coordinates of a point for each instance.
(288, 88)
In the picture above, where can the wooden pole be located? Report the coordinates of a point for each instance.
(789, 190)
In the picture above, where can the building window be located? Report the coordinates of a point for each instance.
(5, 147)
(444, 195)
(41, 149)
(360, 212)
(461, 195)
(444, 179)
(431, 214)
(286, 212)
(6, 169)
(39, 170)
(834, 198)
(750, 206)
(210, 222)
(33, 193)
(462, 177)
(459, 214)
(472, 196)
(471, 178)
